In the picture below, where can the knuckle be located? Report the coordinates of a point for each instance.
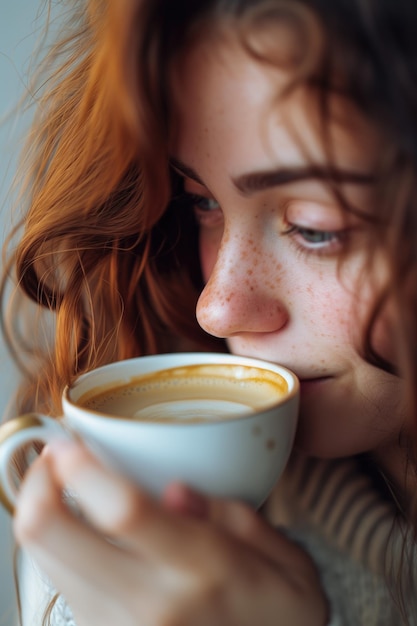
(130, 514)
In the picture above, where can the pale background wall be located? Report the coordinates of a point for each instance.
(18, 36)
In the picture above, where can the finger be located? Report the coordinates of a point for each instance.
(72, 554)
(182, 499)
(137, 521)
(118, 508)
(238, 520)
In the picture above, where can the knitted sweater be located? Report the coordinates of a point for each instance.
(354, 534)
(333, 509)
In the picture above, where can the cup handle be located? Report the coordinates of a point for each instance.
(14, 434)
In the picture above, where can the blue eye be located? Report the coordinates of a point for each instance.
(202, 203)
(314, 241)
(315, 237)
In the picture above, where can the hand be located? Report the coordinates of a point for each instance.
(186, 560)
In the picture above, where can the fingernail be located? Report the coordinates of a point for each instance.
(183, 499)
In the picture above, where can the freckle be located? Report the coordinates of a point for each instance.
(250, 272)
(270, 444)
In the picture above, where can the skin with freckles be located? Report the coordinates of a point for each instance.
(271, 239)
(270, 246)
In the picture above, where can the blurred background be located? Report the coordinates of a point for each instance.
(19, 34)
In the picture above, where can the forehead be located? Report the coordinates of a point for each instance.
(230, 104)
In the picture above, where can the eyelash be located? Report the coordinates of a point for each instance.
(332, 243)
(296, 232)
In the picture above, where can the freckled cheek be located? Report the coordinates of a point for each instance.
(330, 311)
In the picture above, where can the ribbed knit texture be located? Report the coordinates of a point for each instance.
(355, 536)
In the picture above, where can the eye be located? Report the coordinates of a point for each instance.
(315, 241)
(207, 211)
(202, 203)
(316, 237)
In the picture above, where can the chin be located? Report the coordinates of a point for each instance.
(322, 438)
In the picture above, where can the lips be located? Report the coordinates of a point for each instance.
(313, 383)
(305, 381)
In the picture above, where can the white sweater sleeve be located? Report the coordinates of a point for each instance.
(36, 593)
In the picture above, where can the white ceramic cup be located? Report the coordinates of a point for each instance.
(236, 452)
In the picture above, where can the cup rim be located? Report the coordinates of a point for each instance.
(190, 358)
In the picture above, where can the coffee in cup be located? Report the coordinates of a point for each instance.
(196, 393)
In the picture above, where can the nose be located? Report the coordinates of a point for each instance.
(243, 293)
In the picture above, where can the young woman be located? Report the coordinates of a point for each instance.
(254, 161)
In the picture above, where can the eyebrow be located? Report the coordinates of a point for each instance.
(185, 170)
(259, 181)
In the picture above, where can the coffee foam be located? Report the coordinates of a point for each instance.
(190, 393)
(191, 410)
